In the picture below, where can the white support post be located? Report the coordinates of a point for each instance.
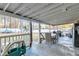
(0, 46)
(31, 36)
(50, 28)
(73, 30)
(39, 33)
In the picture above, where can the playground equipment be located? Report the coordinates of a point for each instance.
(15, 49)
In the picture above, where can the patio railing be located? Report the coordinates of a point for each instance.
(5, 39)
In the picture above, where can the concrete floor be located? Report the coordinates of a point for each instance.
(51, 50)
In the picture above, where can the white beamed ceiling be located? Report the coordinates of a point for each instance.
(51, 13)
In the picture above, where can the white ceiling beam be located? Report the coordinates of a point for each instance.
(22, 7)
(61, 9)
(11, 15)
(53, 6)
(53, 12)
(34, 9)
(71, 16)
(74, 7)
(46, 13)
(6, 6)
(19, 9)
(20, 17)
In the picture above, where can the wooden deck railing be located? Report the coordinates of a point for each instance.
(5, 39)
